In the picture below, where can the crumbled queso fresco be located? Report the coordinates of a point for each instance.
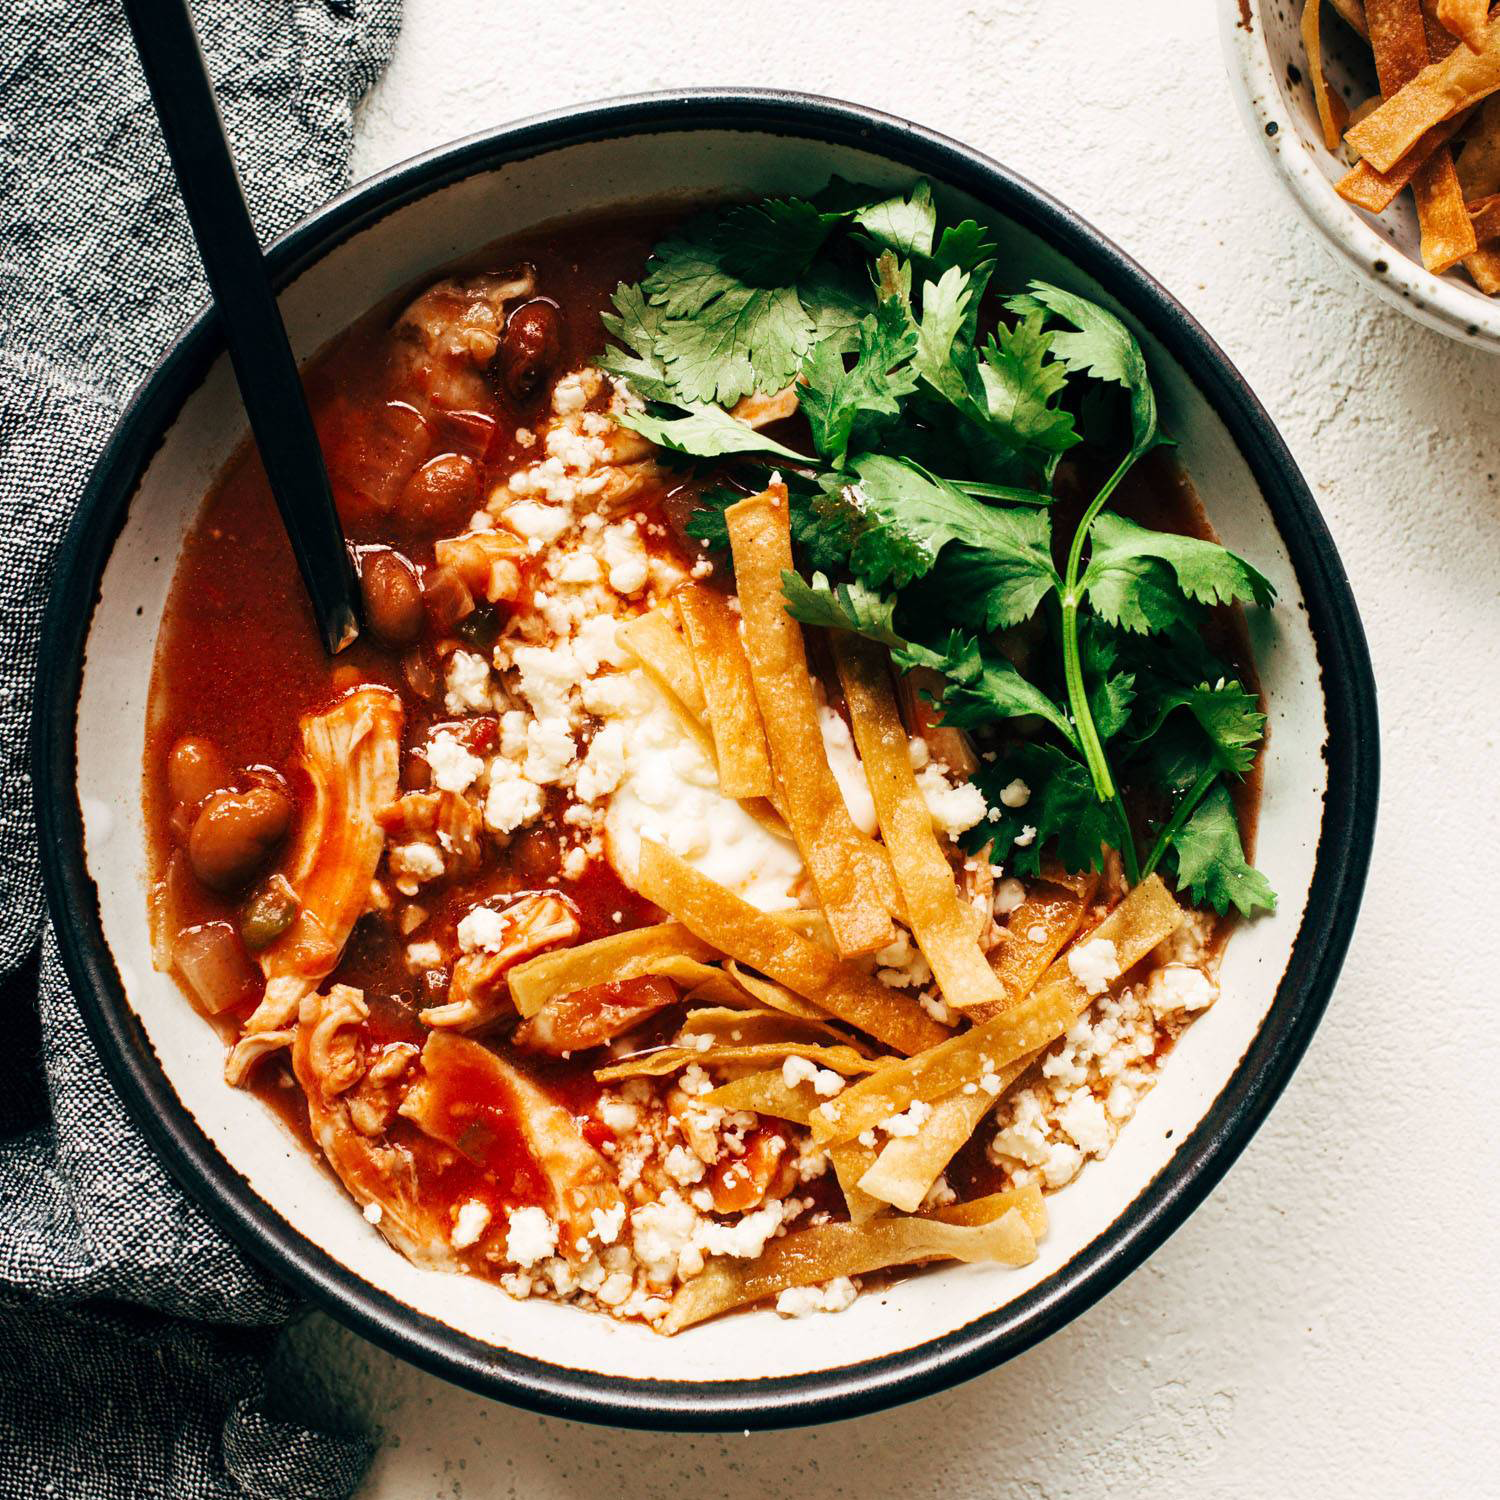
(1093, 1079)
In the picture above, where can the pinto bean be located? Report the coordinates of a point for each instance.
(531, 349)
(234, 835)
(392, 596)
(442, 494)
(195, 769)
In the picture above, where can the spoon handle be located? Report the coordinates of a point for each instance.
(258, 349)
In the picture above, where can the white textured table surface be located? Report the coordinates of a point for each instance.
(1325, 1324)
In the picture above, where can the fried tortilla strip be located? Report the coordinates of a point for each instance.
(807, 1256)
(668, 949)
(906, 1169)
(1374, 191)
(1143, 919)
(1465, 19)
(840, 1058)
(1478, 166)
(1479, 160)
(719, 917)
(1037, 931)
(1440, 90)
(351, 755)
(1447, 233)
(1486, 216)
(769, 993)
(940, 921)
(654, 641)
(1353, 13)
(473, 1100)
(1027, 1201)
(712, 629)
(767, 1093)
(1398, 40)
(1333, 114)
(850, 873)
(726, 1024)
(851, 1160)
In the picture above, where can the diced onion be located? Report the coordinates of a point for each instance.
(215, 965)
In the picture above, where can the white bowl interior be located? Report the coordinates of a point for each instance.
(111, 723)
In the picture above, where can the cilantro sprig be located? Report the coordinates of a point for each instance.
(934, 418)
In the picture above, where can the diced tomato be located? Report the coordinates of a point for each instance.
(472, 432)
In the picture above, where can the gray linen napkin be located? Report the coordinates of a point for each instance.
(134, 1336)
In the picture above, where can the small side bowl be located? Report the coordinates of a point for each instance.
(1269, 76)
(753, 1370)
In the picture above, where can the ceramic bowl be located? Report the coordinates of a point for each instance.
(1269, 75)
(752, 1370)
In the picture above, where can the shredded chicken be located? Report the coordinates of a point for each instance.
(449, 335)
(341, 1074)
(760, 410)
(487, 561)
(350, 754)
(580, 1183)
(444, 821)
(478, 991)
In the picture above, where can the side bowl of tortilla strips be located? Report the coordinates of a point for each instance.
(1382, 119)
(984, 607)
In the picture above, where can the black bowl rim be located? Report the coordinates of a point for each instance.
(1352, 755)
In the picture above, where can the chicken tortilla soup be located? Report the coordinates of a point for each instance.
(793, 785)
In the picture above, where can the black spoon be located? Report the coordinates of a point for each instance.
(258, 347)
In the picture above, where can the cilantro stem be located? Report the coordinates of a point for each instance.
(1185, 809)
(1128, 853)
(1078, 699)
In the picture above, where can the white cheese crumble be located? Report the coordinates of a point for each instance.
(454, 768)
(826, 1083)
(485, 928)
(1017, 794)
(1009, 894)
(530, 1237)
(472, 1220)
(467, 682)
(954, 807)
(909, 1121)
(833, 1296)
(1094, 964)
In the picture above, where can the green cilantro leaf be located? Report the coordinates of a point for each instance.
(1062, 812)
(1002, 579)
(1127, 588)
(744, 339)
(981, 689)
(1102, 347)
(833, 398)
(945, 306)
(1111, 694)
(1226, 713)
(966, 245)
(1021, 387)
(1211, 863)
(772, 243)
(845, 606)
(637, 326)
(705, 432)
(905, 225)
